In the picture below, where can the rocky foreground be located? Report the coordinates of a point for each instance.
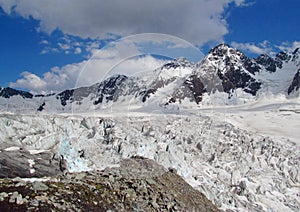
(139, 184)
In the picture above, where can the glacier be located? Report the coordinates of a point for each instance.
(232, 154)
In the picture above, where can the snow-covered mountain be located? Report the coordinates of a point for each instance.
(228, 124)
(224, 73)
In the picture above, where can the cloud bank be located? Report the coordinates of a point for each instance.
(197, 21)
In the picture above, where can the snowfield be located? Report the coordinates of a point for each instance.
(243, 157)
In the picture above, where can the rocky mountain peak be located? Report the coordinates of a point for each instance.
(223, 53)
(233, 69)
(220, 49)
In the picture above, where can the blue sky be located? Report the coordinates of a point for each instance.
(46, 45)
(272, 20)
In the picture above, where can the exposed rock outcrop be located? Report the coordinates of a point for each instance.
(139, 184)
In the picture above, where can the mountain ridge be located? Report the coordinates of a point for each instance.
(224, 69)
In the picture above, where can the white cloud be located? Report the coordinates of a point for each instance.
(197, 21)
(265, 47)
(55, 80)
(259, 48)
(48, 49)
(30, 81)
(44, 42)
(64, 46)
(77, 50)
(289, 46)
(245, 4)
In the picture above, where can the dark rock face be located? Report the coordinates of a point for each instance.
(234, 79)
(296, 53)
(147, 93)
(158, 83)
(9, 92)
(196, 88)
(295, 83)
(103, 91)
(251, 66)
(272, 64)
(65, 96)
(152, 89)
(108, 89)
(283, 56)
(267, 62)
(41, 108)
(139, 184)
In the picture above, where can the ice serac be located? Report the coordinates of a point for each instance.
(237, 169)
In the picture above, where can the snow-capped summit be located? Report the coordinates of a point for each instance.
(220, 49)
(227, 69)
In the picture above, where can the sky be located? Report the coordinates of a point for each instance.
(51, 45)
